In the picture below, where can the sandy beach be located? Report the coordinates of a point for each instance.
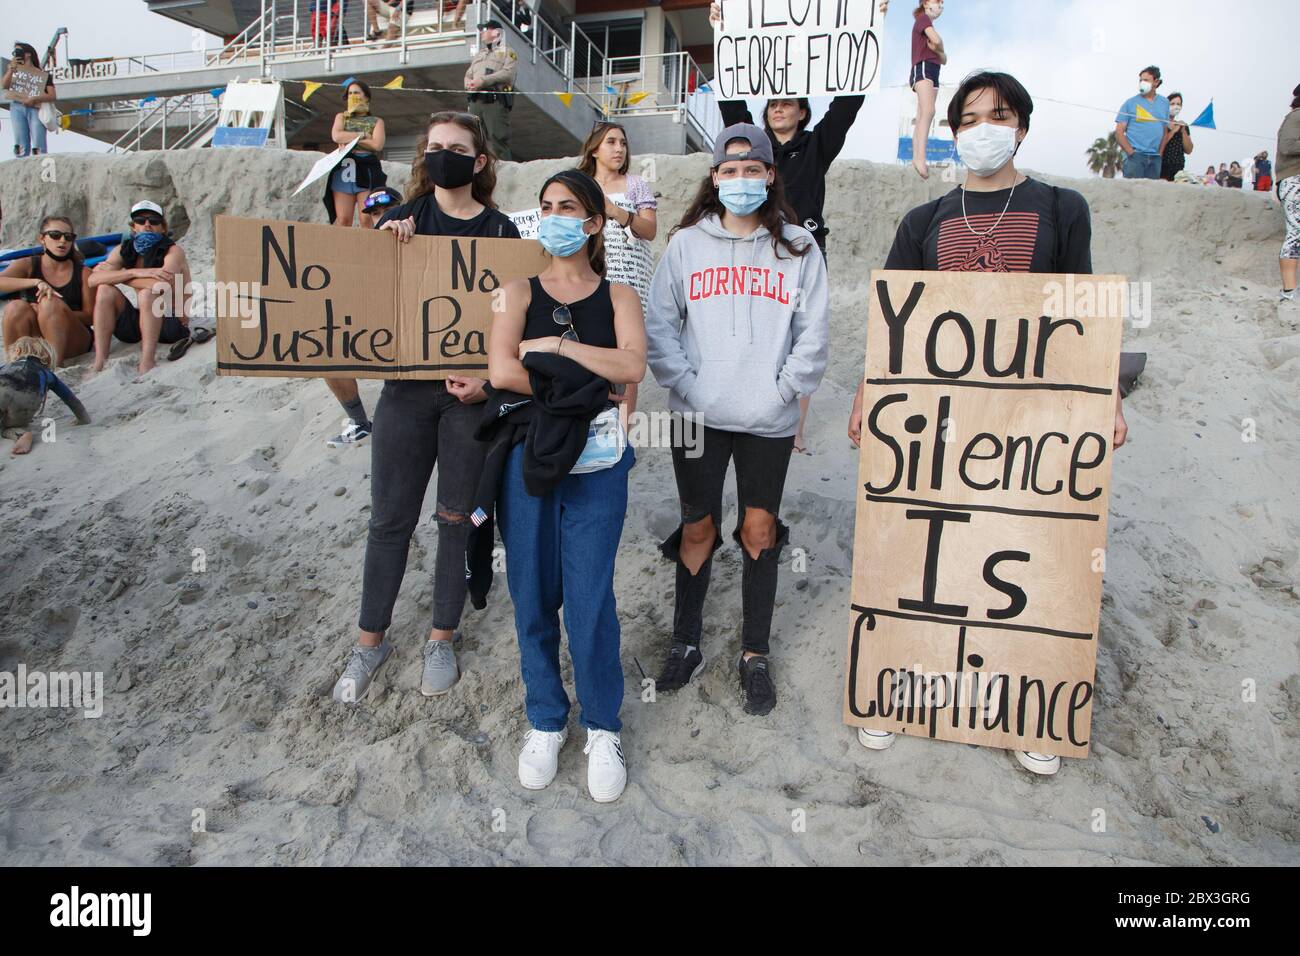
(216, 682)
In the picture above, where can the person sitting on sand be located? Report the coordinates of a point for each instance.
(57, 300)
(155, 268)
(24, 382)
(999, 220)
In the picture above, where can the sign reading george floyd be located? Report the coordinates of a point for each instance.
(987, 419)
(297, 299)
(792, 48)
(25, 81)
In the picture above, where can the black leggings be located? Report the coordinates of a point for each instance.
(418, 425)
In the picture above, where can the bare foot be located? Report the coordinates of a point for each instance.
(145, 368)
(922, 169)
(23, 444)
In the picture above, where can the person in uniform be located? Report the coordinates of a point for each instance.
(489, 81)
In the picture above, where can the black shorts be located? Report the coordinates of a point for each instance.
(128, 327)
(925, 70)
(761, 466)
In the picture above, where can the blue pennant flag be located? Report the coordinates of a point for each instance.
(704, 88)
(1206, 119)
(148, 99)
(216, 92)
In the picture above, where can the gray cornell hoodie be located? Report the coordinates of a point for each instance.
(735, 333)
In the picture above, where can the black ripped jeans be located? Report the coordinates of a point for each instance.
(761, 465)
(418, 425)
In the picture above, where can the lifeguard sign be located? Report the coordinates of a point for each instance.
(251, 111)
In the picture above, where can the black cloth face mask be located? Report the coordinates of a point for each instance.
(448, 169)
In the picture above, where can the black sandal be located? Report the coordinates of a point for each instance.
(179, 349)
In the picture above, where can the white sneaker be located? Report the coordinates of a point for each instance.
(875, 739)
(1045, 764)
(540, 757)
(606, 768)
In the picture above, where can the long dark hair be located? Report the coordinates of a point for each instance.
(589, 193)
(772, 215)
(485, 180)
(587, 157)
(31, 52)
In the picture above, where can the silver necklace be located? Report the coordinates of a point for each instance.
(993, 229)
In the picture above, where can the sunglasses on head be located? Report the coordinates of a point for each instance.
(376, 199)
(562, 316)
(147, 220)
(57, 234)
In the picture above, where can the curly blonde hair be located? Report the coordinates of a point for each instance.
(39, 349)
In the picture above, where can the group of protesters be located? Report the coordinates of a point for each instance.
(539, 447)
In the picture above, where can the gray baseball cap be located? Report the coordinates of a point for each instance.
(760, 147)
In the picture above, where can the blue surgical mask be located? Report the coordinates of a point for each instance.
(144, 241)
(561, 235)
(742, 196)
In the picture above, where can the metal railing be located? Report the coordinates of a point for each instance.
(296, 30)
(672, 83)
(198, 109)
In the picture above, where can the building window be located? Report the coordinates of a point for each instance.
(616, 40)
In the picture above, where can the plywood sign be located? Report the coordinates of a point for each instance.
(25, 81)
(791, 48)
(298, 299)
(988, 416)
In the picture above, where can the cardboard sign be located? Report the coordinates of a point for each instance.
(792, 48)
(25, 81)
(527, 221)
(298, 299)
(988, 416)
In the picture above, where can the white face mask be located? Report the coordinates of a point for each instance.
(1144, 87)
(986, 148)
(1175, 109)
(934, 10)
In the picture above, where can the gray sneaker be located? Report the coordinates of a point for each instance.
(440, 671)
(362, 665)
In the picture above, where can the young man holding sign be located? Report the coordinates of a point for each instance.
(999, 220)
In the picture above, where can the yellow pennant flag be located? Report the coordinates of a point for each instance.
(636, 98)
(394, 84)
(1143, 116)
(566, 99)
(65, 121)
(308, 88)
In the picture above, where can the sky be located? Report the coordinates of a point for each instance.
(1085, 52)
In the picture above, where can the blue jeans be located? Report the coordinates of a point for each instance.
(29, 132)
(560, 551)
(1142, 166)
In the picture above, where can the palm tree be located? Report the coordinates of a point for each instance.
(1105, 156)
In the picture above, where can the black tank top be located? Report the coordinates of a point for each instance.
(71, 292)
(593, 317)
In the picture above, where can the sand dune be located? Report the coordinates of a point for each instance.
(217, 683)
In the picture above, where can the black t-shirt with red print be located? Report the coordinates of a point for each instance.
(1045, 229)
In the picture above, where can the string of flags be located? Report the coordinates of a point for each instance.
(309, 87)
(1205, 120)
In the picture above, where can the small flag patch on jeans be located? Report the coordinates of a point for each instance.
(478, 517)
